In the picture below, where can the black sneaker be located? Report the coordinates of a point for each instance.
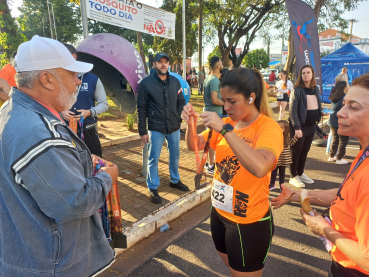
(272, 186)
(179, 186)
(155, 198)
(210, 169)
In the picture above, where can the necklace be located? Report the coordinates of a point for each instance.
(247, 123)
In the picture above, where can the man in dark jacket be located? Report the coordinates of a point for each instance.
(160, 101)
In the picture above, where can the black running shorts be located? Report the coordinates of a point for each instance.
(246, 245)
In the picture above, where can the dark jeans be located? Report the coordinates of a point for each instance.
(201, 88)
(282, 174)
(338, 142)
(300, 149)
(92, 141)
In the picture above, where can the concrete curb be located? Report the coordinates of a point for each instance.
(151, 223)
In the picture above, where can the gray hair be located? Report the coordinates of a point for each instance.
(27, 79)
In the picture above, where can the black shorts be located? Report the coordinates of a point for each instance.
(285, 98)
(337, 270)
(246, 245)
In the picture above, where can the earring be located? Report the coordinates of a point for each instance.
(250, 100)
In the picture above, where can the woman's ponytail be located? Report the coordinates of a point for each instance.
(262, 102)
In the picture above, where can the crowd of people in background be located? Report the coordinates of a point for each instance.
(45, 87)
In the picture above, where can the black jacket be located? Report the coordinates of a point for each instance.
(161, 103)
(298, 106)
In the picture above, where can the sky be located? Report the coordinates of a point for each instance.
(359, 29)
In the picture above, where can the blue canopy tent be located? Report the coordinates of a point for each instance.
(274, 62)
(356, 61)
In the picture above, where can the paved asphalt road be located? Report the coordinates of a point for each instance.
(188, 250)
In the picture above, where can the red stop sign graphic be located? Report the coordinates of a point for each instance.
(159, 27)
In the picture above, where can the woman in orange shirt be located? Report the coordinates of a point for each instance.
(248, 144)
(349, 204)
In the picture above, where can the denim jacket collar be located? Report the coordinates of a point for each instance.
(31, 104)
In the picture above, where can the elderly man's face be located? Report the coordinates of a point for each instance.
(352, 117)
(68, 87)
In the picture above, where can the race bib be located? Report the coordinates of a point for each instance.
(280, 96)
(222, 196)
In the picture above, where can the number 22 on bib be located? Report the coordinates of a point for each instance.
(222, 196)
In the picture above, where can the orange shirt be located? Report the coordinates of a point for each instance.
(250, 194)
(7, 73)
(54, 112)
(350, 213)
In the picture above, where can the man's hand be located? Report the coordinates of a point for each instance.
(112, 171)
(85, 113)
(144, 139)
(67, 114)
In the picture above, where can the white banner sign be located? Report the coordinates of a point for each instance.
(132, 15)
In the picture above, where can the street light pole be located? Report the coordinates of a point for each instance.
(51, 25)
(184, 37)
(84, 19)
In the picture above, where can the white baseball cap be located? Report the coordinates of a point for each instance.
(44, 53)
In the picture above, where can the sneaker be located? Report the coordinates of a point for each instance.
(332, 159)
(341, 161)
(280, 187)
(305, 179)
(271, 186)
(155, 198)
(210, 169)
(295, 181)
(179, 186)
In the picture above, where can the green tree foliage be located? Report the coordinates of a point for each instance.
(258, 58)
(34, 19)
(237, 23)
(174, 47)
(10, 38)
(214, 53)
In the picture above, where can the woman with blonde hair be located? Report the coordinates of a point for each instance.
(248, 144)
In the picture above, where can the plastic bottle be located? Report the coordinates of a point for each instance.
(164, 227)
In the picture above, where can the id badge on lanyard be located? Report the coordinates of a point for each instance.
(280, 95)
(222, 196)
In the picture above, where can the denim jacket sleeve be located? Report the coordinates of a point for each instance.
(56, 180)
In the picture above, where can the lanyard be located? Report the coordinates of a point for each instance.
(359, 162)
(200, 165)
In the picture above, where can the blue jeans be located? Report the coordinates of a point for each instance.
(156, 141)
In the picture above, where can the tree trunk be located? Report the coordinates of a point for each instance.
(318, 7)
(291, 53)
(268, 49)
(141, 48)
(200, 33)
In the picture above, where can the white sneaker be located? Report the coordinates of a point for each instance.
(295, 181)
(341, 161)
(305, 179)
(332, 159)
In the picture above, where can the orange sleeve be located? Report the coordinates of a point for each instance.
(362, 217)
(266, 85)
(270, 137)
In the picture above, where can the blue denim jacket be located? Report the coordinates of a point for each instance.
(49, 201)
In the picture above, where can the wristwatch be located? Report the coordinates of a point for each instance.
(226, 128)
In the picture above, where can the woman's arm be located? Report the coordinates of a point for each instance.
(348, 247)
(190, 116)
(319, 226)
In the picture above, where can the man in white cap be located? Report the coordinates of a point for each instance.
(49, 200)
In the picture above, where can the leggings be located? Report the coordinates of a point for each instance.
(300, 149)
(282, 174)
